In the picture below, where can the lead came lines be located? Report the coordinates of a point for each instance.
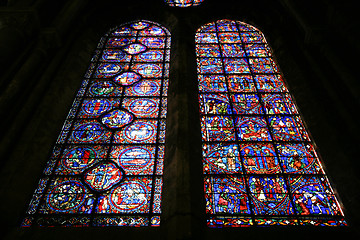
(275, 154)
(113, 160)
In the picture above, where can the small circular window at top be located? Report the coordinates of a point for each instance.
(183, 3)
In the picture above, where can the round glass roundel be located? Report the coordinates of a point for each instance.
(66, 196)
(88, 132)
(127, 78)
(102, 88)
(117, 118)
(103, 176)
(129, 196)
(134, 48)
(140, 131)
(79, 158)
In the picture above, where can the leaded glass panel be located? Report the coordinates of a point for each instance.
(107, 164)
(260, 166)
(183, 3)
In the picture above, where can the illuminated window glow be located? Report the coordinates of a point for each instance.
(107, 164)
(183, 3)
(260, 166)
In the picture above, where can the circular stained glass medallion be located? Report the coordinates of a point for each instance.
(120, 42)
(146, 88)
(151, 56)
(143, 107)
(117, 118)
(154, 31)
(127, 78)
(66, 196)
(148, 69)
(88, 132)
(134, 159)
(134, 48)
(103, 176)
(96, 106)
(79, 158)
(129, 196)
(109, 69)
(113, 55)
(140, 131)
(153, 42)
(102, 88)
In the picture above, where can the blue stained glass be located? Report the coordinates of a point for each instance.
(208, 51)
(212, 83)
(229, 37)
(153, 42)
(183, 3)
(241, 83)
(150, 87)
(148, 70)
(111, 55)
(232, 50)
(215, 104)
(236, 65)
(260, 158)
(228, 194)
(260, 166)
(107, 165)
(246, 103)
(222, 158)
(217, 128)
(252, 129)
(210, 65)
(119, 42)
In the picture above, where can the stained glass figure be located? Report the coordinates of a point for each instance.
(183, 3)
(107, 165)
(260, 165)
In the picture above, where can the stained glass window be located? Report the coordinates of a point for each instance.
(106, 167)
(260, 165)
(183, 3)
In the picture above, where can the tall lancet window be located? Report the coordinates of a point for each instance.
(107, 164)
(260, 166)
(183, 3)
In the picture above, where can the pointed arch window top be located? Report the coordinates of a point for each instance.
(183, 3)
(260, 166)
(107, 164)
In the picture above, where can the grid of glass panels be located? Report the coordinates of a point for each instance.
(260, 166)
(107, 164)
(183, 3)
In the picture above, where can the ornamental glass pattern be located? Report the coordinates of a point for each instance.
(260, 166)
(106, 167)
(183, 3)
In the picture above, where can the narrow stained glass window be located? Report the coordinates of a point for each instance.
(260, 166)
(183, 3)
(107, 164)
